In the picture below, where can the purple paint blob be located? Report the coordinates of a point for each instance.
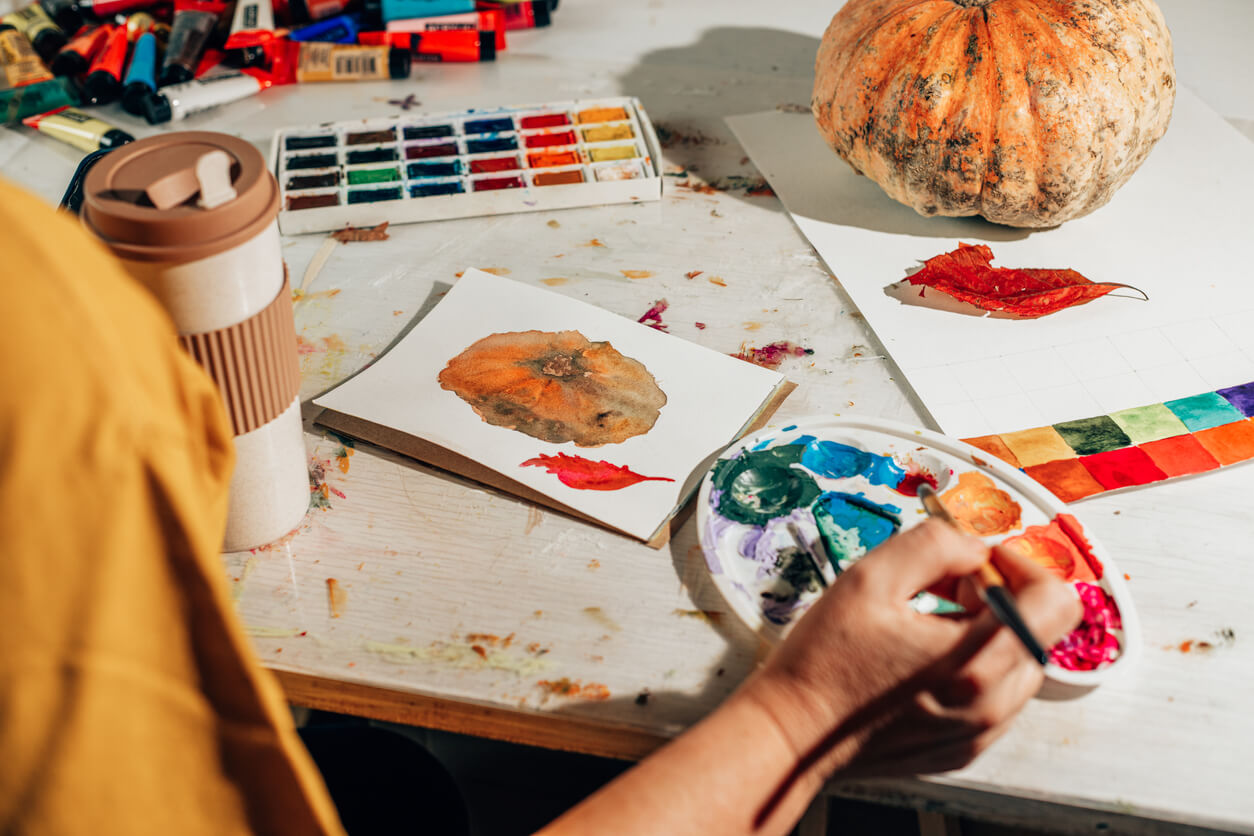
(1242, 397)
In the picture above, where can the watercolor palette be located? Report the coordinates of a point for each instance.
(839, 487)
(1132, 447)
(429, 167)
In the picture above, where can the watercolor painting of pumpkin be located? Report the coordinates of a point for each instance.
(556, 386)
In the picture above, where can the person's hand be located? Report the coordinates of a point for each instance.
(867, 686)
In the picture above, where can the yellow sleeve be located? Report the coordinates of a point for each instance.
(130, 701)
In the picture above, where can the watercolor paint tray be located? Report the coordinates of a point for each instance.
(428, 167)
(845, 485)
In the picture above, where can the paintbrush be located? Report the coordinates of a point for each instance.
(989, 583)
(827, 575)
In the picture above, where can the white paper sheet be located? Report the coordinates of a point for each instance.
(1180, 229)
(710, 398)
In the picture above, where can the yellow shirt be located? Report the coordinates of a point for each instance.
(130, 700)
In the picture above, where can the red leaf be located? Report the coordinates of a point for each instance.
(587, 475)
(966, 274)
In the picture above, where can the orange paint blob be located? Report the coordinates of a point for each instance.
(1050, 546)
(980, 507)
(637, 274)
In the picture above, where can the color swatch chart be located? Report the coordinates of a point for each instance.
(1131, 447)
(432, 167)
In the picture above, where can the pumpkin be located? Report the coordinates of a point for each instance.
(556, 386)
(1028, 112)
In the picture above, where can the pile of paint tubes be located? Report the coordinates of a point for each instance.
(164, 61)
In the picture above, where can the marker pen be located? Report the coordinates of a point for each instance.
(82, 130)
(19, 102)
(194, 21)
(490, 20)
(178, 101)
(76, 56)
(318, 61)
(141, 75)
(252, 28)
(64, 13)
(453, 45)
(34, 23)
(377, 12)
(310, 11)
(528, 14)
(341, 29)
(18, 60)
(108, 9)
(103, 82)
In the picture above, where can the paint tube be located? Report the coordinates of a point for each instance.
(491, 20)
(64, 13)
(317, 61)
(34, 23)
(82, 130)
(378, 12)
(252, 28)
(141, 75)
(76, 56)
(194, 22)
(19, 102)
(179, 101)
(137, 24)
(310, 11)
(341, 29)
(528, 14)
(209, 62)
(19, 61)
(103, 82)
(433, 47)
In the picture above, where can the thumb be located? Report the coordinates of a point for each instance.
(922, 557)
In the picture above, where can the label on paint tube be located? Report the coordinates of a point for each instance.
(82, 130)
(334, 62)
(19, 61)
(251, 16)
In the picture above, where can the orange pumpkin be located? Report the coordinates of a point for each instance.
(556, 386)
(1028, 112)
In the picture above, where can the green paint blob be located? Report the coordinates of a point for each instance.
(1089, 436)
(758, 486)
(373, 175)
(1149, 423)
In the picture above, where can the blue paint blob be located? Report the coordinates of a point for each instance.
(789, 428)
(840, 461)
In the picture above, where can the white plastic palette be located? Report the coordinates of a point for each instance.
(453, 165)
(837, 484)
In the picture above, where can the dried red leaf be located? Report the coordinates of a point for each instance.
(966, 274)
(587, 475)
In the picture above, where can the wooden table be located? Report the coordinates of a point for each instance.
(466, 610)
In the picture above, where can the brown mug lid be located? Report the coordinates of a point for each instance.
(142, 198)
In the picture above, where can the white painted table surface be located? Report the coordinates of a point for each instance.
(427, 560)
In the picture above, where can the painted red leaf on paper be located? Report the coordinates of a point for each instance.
(587, 475)
(967, 274)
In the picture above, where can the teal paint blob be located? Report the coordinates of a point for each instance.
(850, 525)
(759, 485)
(1201, 412)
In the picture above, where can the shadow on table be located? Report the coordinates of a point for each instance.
(689, 90)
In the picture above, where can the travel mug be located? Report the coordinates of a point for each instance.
(192, 216)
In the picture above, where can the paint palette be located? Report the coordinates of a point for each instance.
(430, 167)
(830, 490)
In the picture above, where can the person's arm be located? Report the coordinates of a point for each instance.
(863, 686)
